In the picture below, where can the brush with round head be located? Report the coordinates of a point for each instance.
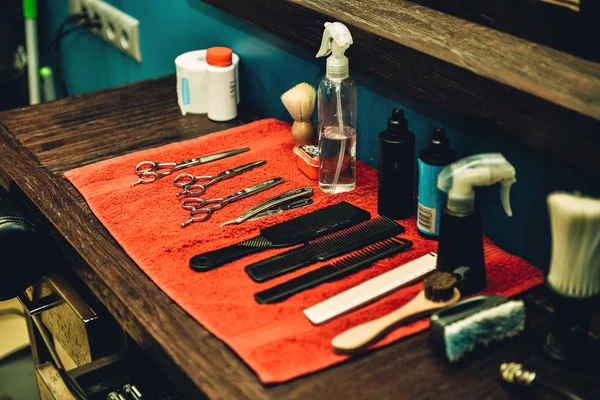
(439, 291)
(300, 103)
(574, 275)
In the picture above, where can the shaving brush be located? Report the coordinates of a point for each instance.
(574, 275)
(300, 103)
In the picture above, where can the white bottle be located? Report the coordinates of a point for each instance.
(220, 84)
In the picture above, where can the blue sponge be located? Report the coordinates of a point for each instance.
(457, 329)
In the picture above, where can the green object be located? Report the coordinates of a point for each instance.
(30, 9)
(45, 72)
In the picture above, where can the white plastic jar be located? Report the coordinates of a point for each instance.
(221, 84)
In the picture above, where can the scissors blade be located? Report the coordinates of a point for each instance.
(218, 156)
(240, 169)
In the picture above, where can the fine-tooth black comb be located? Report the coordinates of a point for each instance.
(295, 231)
(336, 270)
(324, 248)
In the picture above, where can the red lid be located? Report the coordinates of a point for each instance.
(219, 56)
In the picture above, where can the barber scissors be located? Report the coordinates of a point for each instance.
(202, 210)
(151, 171)
(188, 181)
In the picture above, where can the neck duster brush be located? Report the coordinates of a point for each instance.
(574, 276)
(300, 103)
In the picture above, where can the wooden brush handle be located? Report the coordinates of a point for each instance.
(364, 335)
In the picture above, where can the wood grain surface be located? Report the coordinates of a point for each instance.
(547, 99)
(40, 142)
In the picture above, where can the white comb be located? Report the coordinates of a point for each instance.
(372, 289)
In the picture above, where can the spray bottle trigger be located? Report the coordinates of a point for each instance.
(325, 48)
(505, 195)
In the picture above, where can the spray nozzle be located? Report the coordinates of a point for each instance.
(458, 180)
(336, 40)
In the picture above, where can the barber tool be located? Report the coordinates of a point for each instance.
(324, 248)
(295, 204)
(371, 290)
(274, 204)
(151, 171)
(439, 291)
(300, 103)
(336, 270)
(202, 210)
(456, 329)
(515, 374)
(396, 168)
(295, 231)
(188, 181)
(574, 275)
(460, 245)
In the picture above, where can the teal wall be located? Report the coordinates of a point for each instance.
(270, 65)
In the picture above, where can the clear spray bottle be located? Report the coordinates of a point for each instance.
(337, 114)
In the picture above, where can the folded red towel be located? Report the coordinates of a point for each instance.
(277, 340)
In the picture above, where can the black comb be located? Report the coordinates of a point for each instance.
(295, 231)
(336, 270)
(324, 248)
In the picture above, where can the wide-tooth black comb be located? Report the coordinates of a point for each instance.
(295, 231)
(336, 270)
(324, 248)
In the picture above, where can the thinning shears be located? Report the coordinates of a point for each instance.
(151, 171)
(188, 181)
(202, 210)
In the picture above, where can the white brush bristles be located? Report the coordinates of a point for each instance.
(300, 102)
(575, 225)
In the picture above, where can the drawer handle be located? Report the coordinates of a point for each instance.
(34, 307)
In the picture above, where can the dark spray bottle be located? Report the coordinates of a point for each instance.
(396, 168)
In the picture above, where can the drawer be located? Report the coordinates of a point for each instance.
(51, 384)
(121, 376)
(83, 332)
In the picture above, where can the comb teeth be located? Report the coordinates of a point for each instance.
(309, 226)
(324, 248)
(369, 252)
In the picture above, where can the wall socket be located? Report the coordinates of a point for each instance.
(118, 28)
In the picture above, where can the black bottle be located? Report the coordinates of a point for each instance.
(396, 168)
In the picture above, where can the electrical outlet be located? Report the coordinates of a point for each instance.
(118, 28)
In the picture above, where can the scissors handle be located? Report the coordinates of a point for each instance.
(148, 166)
(149, 177)
(185, 179)
(194, 204)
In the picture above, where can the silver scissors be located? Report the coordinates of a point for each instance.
(188, 181)
(201, 210)
(151, 171)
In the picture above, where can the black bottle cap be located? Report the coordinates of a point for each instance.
(397, 124)
(438, 139)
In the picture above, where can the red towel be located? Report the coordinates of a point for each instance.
(277, 340)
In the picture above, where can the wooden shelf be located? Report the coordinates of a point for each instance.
(547, 99)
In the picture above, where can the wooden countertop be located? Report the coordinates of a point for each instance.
(39, 143)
